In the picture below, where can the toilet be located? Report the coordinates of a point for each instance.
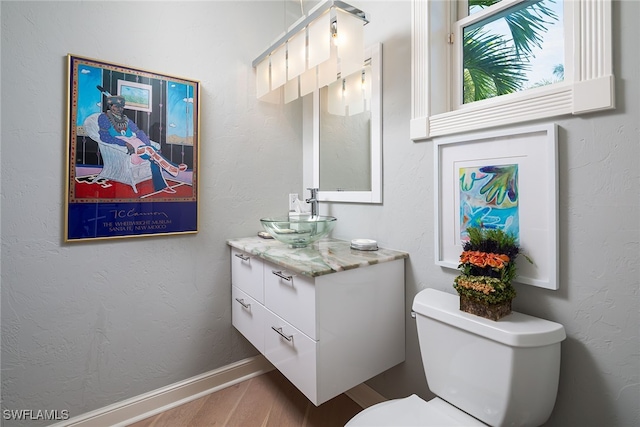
(482, 372)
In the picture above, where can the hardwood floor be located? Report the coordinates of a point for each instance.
(268, 400)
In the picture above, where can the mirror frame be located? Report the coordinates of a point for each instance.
(374, 53)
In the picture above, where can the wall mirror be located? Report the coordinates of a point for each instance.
(347, 135)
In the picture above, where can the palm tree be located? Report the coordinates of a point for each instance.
(494, 65)
(491, 67)
(558, 71)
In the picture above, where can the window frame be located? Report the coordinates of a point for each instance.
(588, 84)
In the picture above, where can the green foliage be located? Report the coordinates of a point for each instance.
(491, 66)
(501, 291)
(491, 240)
(558, 71)
(495, 66)
(526, 24)
(506, 274)
(488, 283)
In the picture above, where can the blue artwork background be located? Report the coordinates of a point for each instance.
(95, 220)
(179, 113)
(89, 97)
(489, 199)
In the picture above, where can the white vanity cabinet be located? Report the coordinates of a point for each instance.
(325, 333)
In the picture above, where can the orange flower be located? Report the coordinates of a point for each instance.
(495, 262)
(476, 286)
(483, 259)
(479, 260)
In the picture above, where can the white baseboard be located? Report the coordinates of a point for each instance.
(365, 396)
(146, 405)
(152, 403)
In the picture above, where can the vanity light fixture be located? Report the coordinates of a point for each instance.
(328, 41)
(351, 95)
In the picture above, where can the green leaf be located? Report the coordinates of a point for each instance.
(494, 65)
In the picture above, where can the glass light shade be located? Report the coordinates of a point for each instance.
(262, 78)
(335, 101)
(296, 58)
(278, 67)
(308, 81)
(291, 90)
(319, 34)
(316, 50)
(328, 70)
(368, 85)
(353, 93)
(350, 42)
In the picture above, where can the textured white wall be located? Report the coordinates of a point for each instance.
(598, 300)
(85, 325)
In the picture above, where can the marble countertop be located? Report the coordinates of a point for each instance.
(323, 257)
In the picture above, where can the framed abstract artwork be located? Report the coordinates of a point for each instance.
(132, 152)
(505, 180)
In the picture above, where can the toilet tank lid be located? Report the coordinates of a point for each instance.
(515, 330)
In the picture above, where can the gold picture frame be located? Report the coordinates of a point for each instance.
(132, 152)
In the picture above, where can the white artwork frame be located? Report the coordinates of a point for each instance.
(534, 150)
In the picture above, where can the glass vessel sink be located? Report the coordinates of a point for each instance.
(299, 232)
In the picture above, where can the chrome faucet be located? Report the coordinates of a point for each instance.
(314, 201)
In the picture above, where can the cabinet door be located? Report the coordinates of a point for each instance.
(292, 353)
(248, 317)
(247, 274)
(291, 297)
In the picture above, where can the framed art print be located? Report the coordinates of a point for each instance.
(132, 152)
(504, 180)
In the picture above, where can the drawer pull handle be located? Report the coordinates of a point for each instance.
(282, 276)
(279, 331)
(243, 257)
(242, 303)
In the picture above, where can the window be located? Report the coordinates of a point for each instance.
(507, 61)
(508, 48)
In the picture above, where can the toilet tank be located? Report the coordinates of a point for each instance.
(505, 372)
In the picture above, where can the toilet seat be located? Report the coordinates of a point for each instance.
(411, 412)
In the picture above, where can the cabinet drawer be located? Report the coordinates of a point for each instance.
(292, 353)
(247, 274)
(291, 297)
(248, 317)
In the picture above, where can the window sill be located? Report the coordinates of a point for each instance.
(544, 102)
(590, 86)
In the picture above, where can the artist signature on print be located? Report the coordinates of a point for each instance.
(137, 222)
(132, 213)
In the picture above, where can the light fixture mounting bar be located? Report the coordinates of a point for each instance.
(310, 18)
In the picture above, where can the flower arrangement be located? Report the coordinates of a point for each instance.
(488, 267)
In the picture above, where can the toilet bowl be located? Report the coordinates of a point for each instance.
(412, 411)
(483, 372)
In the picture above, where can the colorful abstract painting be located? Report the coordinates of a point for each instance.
(489, 199)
